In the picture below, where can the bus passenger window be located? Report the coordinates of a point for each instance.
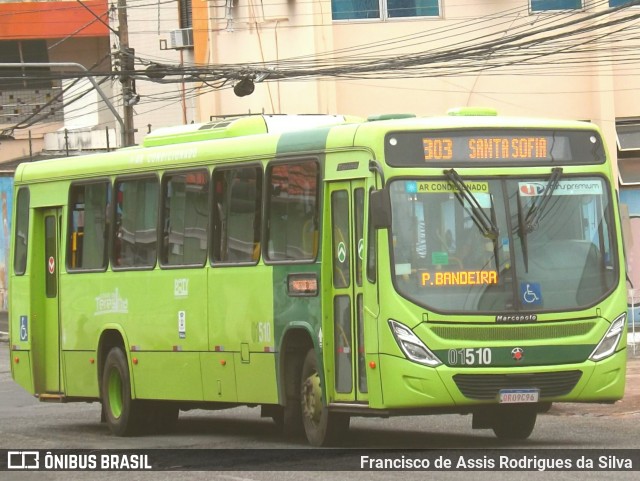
(185, 218)
(136, 214)
(236, 214)
(293, 211)
(21, 232)
(88, 226)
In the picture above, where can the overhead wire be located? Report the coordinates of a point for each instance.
(527, 44)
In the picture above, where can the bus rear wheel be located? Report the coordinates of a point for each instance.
(121, 413)
(321, 426)
(515, 422)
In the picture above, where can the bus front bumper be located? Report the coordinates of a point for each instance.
(408, 385)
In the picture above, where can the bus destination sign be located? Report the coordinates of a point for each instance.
(495, 146)
(485, 148)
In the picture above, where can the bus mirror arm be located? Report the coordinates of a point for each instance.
(380, 209)
(374, 166)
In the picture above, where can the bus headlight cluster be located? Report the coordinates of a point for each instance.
(609, 342)
(412, 346)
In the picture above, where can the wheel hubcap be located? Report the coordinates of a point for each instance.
(312, 398)
(115, 393)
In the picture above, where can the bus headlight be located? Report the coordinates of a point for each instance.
(412, 346)
(609, 341)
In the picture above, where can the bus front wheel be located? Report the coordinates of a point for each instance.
(515, 423)
(321, 426)
(121, 412)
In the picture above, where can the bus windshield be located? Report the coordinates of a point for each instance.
(492, 245)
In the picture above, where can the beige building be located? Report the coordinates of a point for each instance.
(582, 67)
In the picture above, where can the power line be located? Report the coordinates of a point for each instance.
(551, 45)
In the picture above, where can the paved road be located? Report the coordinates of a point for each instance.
(27, 424)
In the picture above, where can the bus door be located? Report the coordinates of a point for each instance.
(347, 201)
(47, 325)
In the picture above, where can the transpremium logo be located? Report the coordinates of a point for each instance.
(531, 189)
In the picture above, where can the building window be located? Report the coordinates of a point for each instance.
(628, 143)
(375, 9)
(617, 3)
(184, 10)
(544, 5)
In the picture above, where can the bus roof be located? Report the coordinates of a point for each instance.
(225, 139)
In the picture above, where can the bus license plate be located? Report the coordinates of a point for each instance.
(510, 396)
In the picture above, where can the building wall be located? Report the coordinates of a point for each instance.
(274, 31)
(269, 32)
(161, 105)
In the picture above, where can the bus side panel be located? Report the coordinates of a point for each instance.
(241, 322)
(80, 373)
(21, 370)
(167, 375)
(21, 332)
(161, 311)
(256, 378)
(218, 376)
(166, 326)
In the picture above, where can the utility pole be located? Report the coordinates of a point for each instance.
(129, 95)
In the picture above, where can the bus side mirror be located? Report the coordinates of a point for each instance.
(380, 209)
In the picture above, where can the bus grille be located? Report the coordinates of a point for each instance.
(487, 386)
(514, 332)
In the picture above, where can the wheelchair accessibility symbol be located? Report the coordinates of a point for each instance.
(24, 328)
(530, 293)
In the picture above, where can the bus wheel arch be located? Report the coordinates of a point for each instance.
(109, 339)
(295, 344)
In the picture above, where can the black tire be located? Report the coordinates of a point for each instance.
(322, 427)
(122, 414)
(515, 422)
(288, 419)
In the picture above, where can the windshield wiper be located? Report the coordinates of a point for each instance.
(532, 219)
(523, 235)
(486, 224)
(529, 223)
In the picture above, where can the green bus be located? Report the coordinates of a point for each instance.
(324, 267)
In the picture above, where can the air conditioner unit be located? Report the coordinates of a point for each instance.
(181, 38)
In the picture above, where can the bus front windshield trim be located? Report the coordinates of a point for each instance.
(450, 257)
